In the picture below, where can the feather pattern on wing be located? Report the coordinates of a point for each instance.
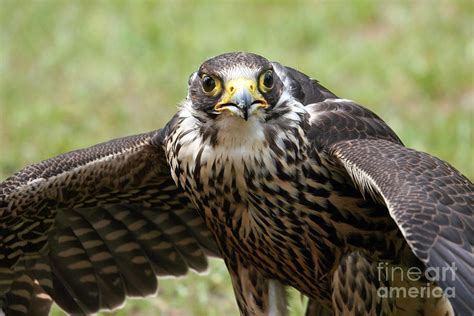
(430, 201)
(93, 226)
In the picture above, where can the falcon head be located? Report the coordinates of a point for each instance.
(241, 85)
(240, 100)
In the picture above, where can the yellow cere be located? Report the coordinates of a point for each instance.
(234, 85)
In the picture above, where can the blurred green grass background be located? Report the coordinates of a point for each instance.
(75, 73)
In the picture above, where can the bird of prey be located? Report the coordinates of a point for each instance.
(263, 167)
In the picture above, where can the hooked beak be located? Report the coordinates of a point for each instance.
(241, 98)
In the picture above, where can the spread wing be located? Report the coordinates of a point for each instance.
(91, 227)
(431, 202)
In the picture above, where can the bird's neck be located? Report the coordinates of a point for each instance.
(220, 163)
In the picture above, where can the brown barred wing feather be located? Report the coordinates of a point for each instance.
(431, 202)
(90, 227)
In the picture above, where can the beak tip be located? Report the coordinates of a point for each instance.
(241, 99)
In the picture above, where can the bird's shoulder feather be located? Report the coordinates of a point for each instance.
(430, 201)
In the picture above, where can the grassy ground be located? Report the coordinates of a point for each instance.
(76, 73)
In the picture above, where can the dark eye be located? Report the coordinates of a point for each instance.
(208, 83)
(266, 81)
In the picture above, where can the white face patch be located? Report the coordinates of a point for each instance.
(234, 132)
(239, 72)
(237, 140)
